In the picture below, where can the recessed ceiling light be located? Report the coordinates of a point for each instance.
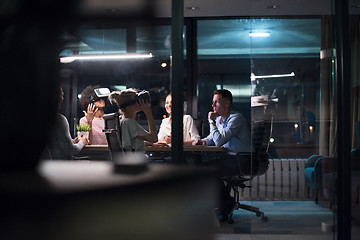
(253, 77)
(72, 58)
(259, 34)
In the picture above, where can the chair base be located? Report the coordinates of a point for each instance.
(252, 209)
(246, 207)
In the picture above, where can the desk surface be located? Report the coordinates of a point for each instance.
(187, 148)
(96, 148)
(68, 176)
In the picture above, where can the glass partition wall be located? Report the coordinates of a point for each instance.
(152, 74)
(273, 68)
(281, 70)
(285, 78)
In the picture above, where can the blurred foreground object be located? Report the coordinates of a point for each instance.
(88, 200)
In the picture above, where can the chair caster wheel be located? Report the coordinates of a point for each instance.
(264, 219)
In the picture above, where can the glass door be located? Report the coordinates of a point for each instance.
(286, 75)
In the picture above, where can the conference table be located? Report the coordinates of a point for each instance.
(193, 154)
(191, 151)
(187, 148)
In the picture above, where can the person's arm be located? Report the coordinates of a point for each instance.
(205, 141)
(151, 136)
(231, 129)
(65, 141)
(188, 142)
(191, 129)
(83, 120)
(89, 117)
(163, 130)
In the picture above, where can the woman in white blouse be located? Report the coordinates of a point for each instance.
(190, 131)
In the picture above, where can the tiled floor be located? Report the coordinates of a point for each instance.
(287, 220)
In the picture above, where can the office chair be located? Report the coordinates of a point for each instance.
(250, 165)
(113, 135)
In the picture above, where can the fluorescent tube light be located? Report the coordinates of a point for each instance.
(259, 34)
(253, 77)
(237, 91)
(70, 59)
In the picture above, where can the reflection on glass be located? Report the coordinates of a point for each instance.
(156, 39)
(274, 78)
(92, 40)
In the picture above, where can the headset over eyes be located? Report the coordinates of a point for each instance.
(143, 95)
(100, 93)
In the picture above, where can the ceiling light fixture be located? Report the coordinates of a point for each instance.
(259, 34)
(253, 77)
(70, 59)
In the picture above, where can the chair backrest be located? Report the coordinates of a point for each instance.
(257, 163)
(261, 133)
(199, 124)
(258, 135)
(113, 134)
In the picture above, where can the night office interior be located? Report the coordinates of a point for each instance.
(311, 112)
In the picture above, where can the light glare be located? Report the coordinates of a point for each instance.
(104, 57)
(259, 34)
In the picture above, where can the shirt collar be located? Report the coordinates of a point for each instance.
(226, 119)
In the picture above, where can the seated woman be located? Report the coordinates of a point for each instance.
(190, 132)
(61, 145)
(93, 108)
(132, 134)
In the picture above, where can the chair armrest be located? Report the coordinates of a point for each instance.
(311, 161)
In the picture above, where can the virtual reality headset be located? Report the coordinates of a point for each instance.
(99, 93)
(143, 95)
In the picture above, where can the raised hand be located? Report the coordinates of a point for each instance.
(144, 106)
(212, 115)
(90, 113)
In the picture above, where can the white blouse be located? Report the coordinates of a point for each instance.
(190, 131)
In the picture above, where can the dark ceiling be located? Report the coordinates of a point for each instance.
(294, 30)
